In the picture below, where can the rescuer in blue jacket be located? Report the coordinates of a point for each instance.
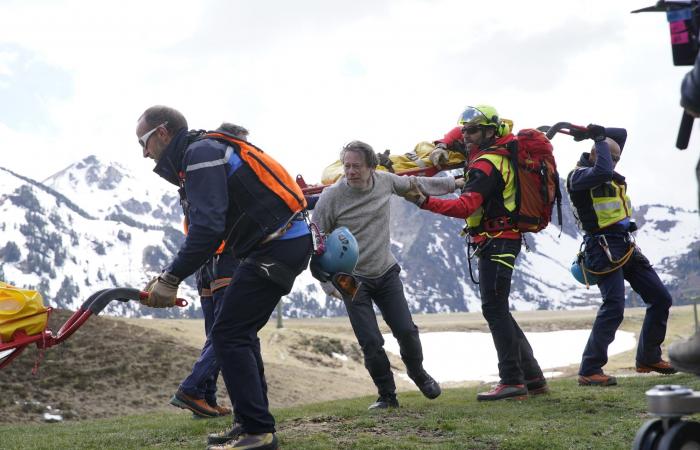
(236, 193)
(604, 212)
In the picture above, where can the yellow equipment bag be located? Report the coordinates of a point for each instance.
(21, 309)
(418, 158)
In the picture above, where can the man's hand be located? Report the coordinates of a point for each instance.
(318, 273)
(439, 156)
(330, 290)
(385, 161)
(162, 291)
(414, 194)
(596, 132)
(579, 135)
(459, 183)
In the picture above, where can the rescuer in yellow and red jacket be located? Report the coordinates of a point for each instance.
(487, 197)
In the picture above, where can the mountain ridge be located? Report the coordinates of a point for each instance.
(96, 225)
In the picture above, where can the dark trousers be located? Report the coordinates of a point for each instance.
(387, 293)
(248, 303)
(201, 383)
(516, 362)
(644, 280)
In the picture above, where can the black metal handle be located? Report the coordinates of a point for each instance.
(684, 131)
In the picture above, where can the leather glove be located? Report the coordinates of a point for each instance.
(162, 291)
(318, 273)
(330, 290)
(596, 132)
(439, 156)
(579, 135)
(414, 194)
(385, 161)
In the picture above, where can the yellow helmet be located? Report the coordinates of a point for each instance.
(483, 115)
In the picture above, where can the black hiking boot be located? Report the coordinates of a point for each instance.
(384, 402)
(427, 384)
(502, 391)
(223, 437)
(536, 386)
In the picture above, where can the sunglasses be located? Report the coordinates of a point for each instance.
(143, 140)
(471, 129)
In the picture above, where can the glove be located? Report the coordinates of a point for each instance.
(596, 132)
(414, 194)
(579, 135)
(318, 273)
(439, 156)
(330, 290)
(385, 161)
(162, 291)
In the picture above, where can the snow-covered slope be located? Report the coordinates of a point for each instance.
(99, 224)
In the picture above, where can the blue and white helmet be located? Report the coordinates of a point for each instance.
(341, 252)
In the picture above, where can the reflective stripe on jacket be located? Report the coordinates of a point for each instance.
(504, 166)
(602, 206)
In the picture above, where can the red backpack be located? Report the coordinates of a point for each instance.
(537, 181)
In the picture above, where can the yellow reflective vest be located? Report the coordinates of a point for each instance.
(503, 165)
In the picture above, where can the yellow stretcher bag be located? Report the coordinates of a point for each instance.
(21, 310)
(418, 158)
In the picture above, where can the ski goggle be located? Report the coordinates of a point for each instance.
(472, 116)
(143, 140)
(346, 284)
(472, 129)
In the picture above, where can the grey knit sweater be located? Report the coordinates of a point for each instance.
(366, 213)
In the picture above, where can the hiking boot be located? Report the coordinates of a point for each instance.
(263, 441)
(223, 437)
(385, 401)
(685, 355)
(536, 386)
(502, 391)
(222, 410)
(597, 379)
(660, 367)
(427, 384)
(197, 405)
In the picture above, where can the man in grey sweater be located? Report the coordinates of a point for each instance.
(360, 201)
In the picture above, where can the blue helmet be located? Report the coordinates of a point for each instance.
(577, 272)
(341, 252)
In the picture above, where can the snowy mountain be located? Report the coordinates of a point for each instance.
(98, 224)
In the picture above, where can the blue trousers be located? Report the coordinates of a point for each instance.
(645, 282)
(211, 280)
(247, 305)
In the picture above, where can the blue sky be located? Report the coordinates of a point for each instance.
(308, 76)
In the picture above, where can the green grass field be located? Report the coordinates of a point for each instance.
(569, 417)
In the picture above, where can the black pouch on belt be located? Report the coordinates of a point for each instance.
(275, 271)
